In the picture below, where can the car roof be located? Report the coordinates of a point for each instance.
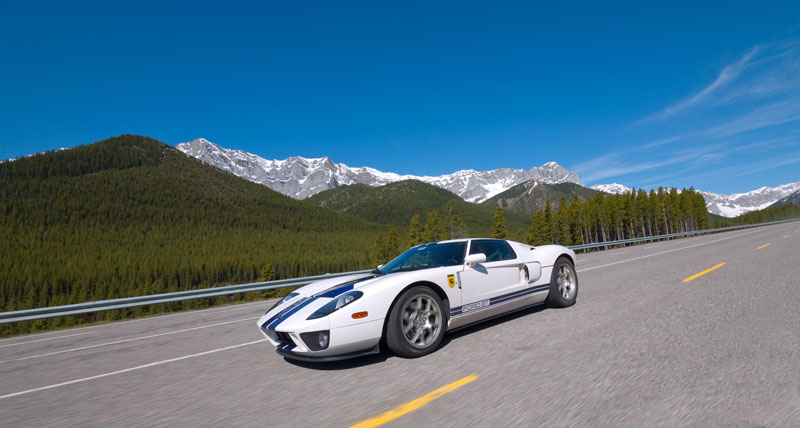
(464, 240)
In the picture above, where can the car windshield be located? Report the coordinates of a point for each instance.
(428, 256)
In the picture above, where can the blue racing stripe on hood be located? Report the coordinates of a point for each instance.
(286, 314)
(292, 306)
(330, 293)
(335, 292)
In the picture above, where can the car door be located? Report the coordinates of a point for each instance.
(497, 276)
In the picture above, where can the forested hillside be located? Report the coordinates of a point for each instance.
(531, 196)
(130, 216)
(602, 217)
(620, 216)
(396, 203)
(393, 203)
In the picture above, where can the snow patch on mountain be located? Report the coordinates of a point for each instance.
(613, 188)
(740, 203)
(300, 177)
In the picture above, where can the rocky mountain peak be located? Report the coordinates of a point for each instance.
(301, 177)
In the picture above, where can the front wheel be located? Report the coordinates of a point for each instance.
(563, 284)
(416, 323)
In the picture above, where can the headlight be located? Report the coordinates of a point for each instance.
(336, 304)
(284, 300)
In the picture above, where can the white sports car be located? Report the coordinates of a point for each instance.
(410, 302)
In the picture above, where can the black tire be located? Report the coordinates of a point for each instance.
(563, 284)
(398, 336)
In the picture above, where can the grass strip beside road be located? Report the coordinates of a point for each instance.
(697, 275)
(414, 404)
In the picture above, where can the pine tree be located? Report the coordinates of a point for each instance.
(561, 224)
(548, 221)
(433, 228)
(413, 231)
(392, 244)
(379, 250)
(701, 212)
(499, 225)
(538, 233)
(576, 221)
(266, 273)
(452, 225)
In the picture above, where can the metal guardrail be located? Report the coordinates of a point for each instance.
(153, 299)
(672, 235)
(132, 302)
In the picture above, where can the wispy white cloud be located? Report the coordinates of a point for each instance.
(618, 164)
(728, 74)
(761, 117)
(739, 169)
(752, 104)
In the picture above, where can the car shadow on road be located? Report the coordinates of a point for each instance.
(474, 328)
(385, 354)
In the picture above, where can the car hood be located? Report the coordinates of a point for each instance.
(326, 284)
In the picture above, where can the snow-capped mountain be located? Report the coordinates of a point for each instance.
(793, 198)
(727, 205)
(740, 203)
(611, 188)
(300, 177)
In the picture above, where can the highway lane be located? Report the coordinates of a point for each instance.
(641, 347)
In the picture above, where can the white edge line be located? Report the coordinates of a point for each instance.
(127, 370)
(42, 340)
(128, 340)
(229, 308)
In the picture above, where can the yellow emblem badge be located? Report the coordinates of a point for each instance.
(451, 280)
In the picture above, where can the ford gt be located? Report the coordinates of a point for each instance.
(412, 301)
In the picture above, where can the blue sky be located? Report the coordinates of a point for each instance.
(643, 94)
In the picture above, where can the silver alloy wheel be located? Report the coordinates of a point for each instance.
(566, 281)
(421, 321)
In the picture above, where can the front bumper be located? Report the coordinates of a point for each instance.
(309, 357)
(344, 342)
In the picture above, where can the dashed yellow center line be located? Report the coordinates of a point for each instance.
(703, 272)
(414, 404)
(786, 236)
(764, 246)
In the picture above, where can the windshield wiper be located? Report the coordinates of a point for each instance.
(410, 268)
(378, 272)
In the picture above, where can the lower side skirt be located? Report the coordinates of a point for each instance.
(494, 311)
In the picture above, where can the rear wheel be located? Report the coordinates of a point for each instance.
(416, 323)
(563, 284)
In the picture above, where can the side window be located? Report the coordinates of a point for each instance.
(495, 250)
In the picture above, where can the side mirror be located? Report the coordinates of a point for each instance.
(474, 259)
(380, 266)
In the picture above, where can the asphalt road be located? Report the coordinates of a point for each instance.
(641, 348)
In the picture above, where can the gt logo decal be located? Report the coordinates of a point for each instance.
(451, 280)
(475, 306)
